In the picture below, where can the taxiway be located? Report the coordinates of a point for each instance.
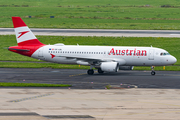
(97, 32)
(80, 80)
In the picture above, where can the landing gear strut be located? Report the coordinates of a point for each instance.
(153, 72)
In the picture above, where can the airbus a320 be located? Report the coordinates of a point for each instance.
(103, 58)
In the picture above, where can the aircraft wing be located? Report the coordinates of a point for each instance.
(92, 60)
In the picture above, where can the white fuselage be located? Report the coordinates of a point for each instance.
(125, 56)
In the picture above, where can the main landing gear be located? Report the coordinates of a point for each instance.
(153, 72)
(90, 72)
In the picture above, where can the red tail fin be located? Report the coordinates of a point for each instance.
(24, 35)
(27, 42)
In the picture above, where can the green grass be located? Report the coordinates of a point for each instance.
(65, 66)
(40, 65)
(3, 84)
(106, 14)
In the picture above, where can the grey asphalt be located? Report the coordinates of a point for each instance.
(80, 80)
(98, 32)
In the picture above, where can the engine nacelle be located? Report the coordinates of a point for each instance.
(109, 66)
(126, 67)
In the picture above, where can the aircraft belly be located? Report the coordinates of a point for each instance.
(64, 60)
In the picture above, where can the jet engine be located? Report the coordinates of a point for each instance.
(109, 66)
(126, 67)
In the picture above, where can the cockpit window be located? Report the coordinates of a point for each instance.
(163, 54)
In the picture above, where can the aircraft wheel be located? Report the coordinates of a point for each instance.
(100, 71)
(90, 72)
(153, 73)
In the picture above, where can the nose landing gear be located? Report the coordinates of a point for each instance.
(153, 72)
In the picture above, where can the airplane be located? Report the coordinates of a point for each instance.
(103, 58)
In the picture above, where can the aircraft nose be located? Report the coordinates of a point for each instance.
(173, 60)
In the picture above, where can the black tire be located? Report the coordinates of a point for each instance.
(90, 72)
(153, 73)
(100, 71)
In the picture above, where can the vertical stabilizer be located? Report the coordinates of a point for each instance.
(24, 35)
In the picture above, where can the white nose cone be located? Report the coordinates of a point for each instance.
(172, 60)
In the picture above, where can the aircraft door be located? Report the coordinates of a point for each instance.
(151, 54)
(40, 52)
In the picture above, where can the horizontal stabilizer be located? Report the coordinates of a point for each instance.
(25, 50)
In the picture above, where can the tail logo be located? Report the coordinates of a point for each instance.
(22, 33)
